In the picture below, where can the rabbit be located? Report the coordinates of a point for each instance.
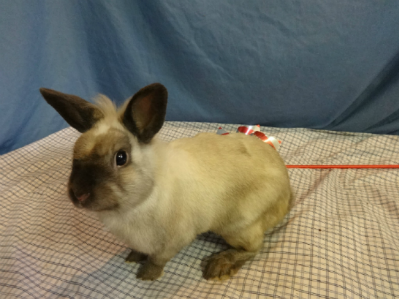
(158, 196)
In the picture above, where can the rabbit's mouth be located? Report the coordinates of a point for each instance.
(90, 202)
(79, 199)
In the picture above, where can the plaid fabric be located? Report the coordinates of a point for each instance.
(340, 240)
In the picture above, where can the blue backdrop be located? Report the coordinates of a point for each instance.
(311, 63)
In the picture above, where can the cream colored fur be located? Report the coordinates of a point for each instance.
(234, 185)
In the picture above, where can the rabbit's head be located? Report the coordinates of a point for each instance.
(110, 158)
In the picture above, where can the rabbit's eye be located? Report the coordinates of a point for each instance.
(121, 158)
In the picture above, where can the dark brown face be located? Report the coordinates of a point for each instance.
(103, 173)
(99, 162)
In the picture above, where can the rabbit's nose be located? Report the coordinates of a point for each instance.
(82, 197)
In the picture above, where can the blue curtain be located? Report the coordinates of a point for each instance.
(317, 64)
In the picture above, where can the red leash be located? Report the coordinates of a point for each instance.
(341, 166)
(275, 143)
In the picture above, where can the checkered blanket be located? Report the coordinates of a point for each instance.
(340, 240)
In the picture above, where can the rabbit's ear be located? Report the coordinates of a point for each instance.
(77, 112)
(145, 113)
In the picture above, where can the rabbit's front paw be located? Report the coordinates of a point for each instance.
(150, 271)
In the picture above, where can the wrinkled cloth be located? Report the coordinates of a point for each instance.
(340, 240)
(315, 64)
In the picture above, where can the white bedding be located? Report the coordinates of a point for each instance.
(340, 240)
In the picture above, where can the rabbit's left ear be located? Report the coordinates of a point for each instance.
(77, 112)
(145, 113)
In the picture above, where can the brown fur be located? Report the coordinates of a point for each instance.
(77, 112)
(168, 193)
(145, 112)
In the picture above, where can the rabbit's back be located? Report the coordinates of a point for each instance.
(231, 179)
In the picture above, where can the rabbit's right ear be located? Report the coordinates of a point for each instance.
(77, 112)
